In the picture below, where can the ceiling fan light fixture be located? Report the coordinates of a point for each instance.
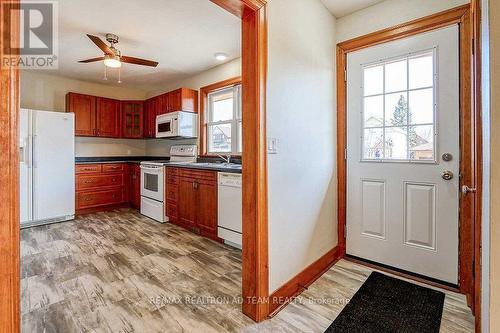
(220, 56)
(112, 61)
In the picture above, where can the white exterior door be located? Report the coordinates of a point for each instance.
(403, 154)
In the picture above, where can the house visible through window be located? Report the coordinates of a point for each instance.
(399, 109)
(223, 124)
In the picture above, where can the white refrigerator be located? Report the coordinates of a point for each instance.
(47, 167)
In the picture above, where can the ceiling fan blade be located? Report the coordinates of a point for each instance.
(92, 60)
(100, 44)
(138, 61)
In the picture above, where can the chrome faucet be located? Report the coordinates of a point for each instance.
(226, 159)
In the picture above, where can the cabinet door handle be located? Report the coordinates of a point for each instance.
(88, 199)
(88, 182)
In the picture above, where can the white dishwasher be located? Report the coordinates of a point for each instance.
(230, 209)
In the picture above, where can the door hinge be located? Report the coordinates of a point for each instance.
(345, 75)
(345, 154)
(473, 47)
(346, 231)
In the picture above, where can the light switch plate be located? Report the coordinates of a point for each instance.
(272, 145)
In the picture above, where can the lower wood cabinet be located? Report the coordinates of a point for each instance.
(135, 185)
(92, 199)
(191, 195)
(192, 200)
(101, 185)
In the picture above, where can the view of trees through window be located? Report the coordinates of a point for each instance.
(398, 109)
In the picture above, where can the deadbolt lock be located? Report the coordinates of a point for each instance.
(447, 157)
(447, 175)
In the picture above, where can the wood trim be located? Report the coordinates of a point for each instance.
(470, 127)
(341, 146)
(477, 114)
(411, 28)
(467, 165)
(9, 174)
(295, 286)
(203, 102)
(241, 8)
(255, 274)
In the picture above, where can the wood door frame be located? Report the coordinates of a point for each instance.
(470, 128)
(255, 277)
(255, 270)
(204, 91)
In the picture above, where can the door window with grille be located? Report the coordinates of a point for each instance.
(399, 109)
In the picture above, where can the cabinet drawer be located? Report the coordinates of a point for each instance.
(172, 192)
(172, 176)
(88, 168)
(172, 211)
(113, 167)
(92, 181)
(101, 198)
(198, 174)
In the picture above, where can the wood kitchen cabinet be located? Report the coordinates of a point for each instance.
(197, 201)
(111, 118)
(132, 118)
(150, 112)
(101, 186)
(83, 106)
(108, 117)
(94, 116)
(135, 185)
(183, 99)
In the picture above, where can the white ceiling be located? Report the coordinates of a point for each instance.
(341, 8)
(182, 36)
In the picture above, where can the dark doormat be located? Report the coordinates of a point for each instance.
(385, 304)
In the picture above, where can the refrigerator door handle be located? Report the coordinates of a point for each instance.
(33, 159)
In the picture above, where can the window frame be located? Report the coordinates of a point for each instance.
(205, 114)
(435, 124)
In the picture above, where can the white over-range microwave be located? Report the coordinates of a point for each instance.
(177, 125)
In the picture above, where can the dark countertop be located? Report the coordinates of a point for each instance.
(213, 164)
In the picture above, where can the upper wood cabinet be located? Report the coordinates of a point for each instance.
(150, 117)
(83, 106)
(132, 118)
(162, 104)
(94, 116)
(183, 99)
(108, 117)
(111, 118)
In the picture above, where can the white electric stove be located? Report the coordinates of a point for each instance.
(153, 201)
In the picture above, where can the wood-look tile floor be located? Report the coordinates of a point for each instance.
(122, 272)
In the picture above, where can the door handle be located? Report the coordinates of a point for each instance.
(447, 175)
(466, 189)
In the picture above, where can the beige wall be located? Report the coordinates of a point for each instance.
(301, 115)
(220, 73)
(495, 167)
(389, 13)
(47, 92)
